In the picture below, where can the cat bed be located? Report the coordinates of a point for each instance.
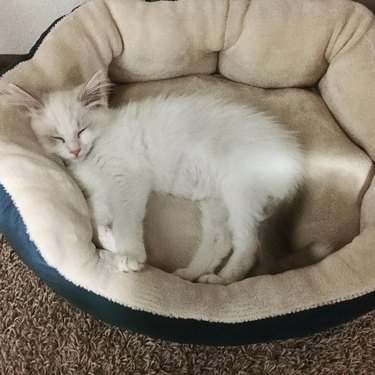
(310, 64)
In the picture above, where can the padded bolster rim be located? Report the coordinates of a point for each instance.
(190, 331)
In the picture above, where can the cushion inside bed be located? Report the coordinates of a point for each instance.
(318, 215)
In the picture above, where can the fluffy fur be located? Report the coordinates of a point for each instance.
(230, 158)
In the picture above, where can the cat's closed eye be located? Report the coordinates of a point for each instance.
(81, 131)
(59, 139)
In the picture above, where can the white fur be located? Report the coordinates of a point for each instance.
(231, 158)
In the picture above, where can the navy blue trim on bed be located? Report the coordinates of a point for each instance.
(180, 330)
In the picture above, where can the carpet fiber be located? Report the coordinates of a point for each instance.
(42, 334)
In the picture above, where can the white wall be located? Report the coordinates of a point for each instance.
(23, 21)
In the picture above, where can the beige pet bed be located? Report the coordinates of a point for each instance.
(309, 63)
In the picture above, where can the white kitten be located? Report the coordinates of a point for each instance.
(200, 147)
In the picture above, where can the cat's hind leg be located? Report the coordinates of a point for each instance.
(215, 244)
(246, 211)
(246, 196)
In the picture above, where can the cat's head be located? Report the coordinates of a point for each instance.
(67, 122)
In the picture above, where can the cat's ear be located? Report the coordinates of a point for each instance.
(17, 96)
(96, 91)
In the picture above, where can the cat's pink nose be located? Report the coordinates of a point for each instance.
(75, 152)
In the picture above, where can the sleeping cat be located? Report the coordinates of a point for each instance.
(230, 158)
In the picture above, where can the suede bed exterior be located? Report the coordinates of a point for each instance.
(260, 45)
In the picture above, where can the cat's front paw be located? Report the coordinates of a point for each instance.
(125, 262)
(129, 263)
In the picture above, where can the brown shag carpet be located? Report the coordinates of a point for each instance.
(42, 334)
